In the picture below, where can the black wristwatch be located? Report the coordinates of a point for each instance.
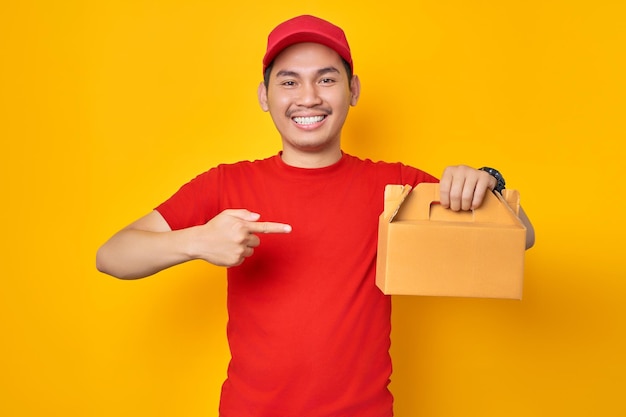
(496, 174)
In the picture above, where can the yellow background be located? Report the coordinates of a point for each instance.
(108, 106)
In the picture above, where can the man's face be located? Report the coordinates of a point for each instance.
(308, 97)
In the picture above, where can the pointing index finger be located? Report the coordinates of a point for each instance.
(269, 227)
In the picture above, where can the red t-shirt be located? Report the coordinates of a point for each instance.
(309, 331)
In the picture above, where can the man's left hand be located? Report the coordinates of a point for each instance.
(463, 188)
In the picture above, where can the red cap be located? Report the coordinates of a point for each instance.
(306, 29)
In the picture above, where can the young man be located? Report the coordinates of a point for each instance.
(308, 328)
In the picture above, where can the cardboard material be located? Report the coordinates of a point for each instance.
(424, 249)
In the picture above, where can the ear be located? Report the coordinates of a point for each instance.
(355, 90)
(262, 95)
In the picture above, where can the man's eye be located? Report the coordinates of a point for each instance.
(327, 81)
(288, 83)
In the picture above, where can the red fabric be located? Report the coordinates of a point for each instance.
(308, 329)
(306, 28)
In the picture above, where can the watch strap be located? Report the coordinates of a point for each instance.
(500, 185)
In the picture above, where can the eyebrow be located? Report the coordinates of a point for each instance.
(320, 72)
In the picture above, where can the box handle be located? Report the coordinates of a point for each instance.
(494, 208)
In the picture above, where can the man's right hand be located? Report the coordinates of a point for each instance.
(231, 236)
(148, 245)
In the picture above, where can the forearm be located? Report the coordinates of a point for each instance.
(134, 253)
(530, 230)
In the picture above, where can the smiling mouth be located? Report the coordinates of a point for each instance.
(309, 120)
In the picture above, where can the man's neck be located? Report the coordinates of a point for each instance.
(310, 160)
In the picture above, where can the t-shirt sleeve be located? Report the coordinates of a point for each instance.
(414, 176)
(195, 203)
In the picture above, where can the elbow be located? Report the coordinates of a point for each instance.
(530, 237)
(530, 241)
(102, 265)
(530, 230)
(105, 266)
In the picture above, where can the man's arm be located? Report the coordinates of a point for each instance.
(148, 245)
(464, 188)
(530, 230)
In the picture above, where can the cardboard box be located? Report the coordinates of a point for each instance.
(424, 249)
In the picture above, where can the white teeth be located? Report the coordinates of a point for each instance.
(308, 120)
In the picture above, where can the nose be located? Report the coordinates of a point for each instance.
(309, 95)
